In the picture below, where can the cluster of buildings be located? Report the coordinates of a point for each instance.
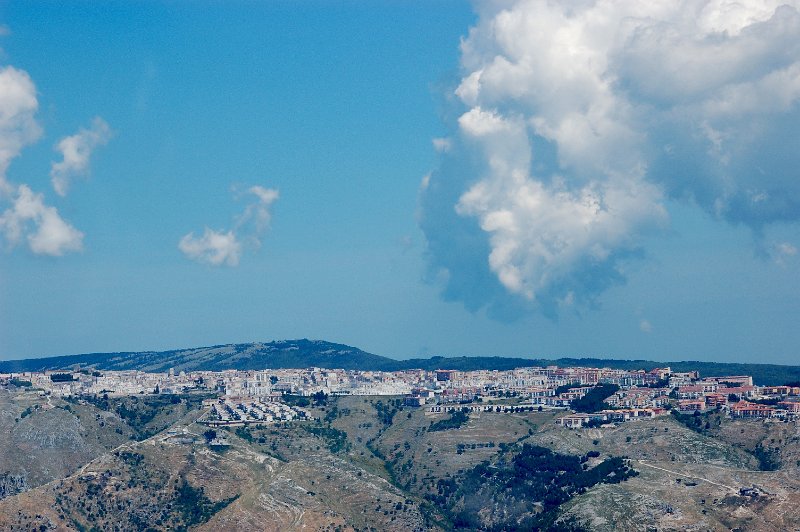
(63, 383)
(438, 385)
(254, 395)
(225, 411)
(688, 394)
(739, 397)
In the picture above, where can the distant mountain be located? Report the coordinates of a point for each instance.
(318, 353)
(272, 355)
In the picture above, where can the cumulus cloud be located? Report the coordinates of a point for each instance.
(44, 229)
(645, 326)
(219, 248)
(76, 150)
(214, 247)
(581, 119)
(26, 217)
(18, 126)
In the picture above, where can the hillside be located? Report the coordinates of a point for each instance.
(318, 353)
(369, 463)
(46, 438)
(271, 355)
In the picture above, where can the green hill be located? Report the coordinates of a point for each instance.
(272, 355)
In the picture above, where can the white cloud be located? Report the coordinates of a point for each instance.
(581, 119)
(47, 233)
(18, 127)
(425, 182)
(645, 326)
(214, 247)
(442, 144)
(783, 252)
(538, 233)
(219, 248)
(265, 195)
(76, 150)
(26, 217)
(257, 213)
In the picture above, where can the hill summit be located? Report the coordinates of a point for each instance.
(301, 353)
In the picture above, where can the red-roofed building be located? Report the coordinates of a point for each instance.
(691, 405)
(716, 399)
(746, 409)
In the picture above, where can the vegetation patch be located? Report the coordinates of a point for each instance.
(335, 439)
(768, 459)
(387, 410)
(11, 484)
(594, 400)
(456, 420)
(701, 422)
(194, 507)
(524, 492)
(296, 400)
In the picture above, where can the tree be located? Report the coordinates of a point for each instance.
(320, 398)
(210, 435)
(594, 399)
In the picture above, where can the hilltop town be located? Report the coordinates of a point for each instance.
(596, 396)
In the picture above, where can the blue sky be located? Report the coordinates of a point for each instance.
(411, 178)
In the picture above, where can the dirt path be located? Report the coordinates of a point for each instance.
(684, 475)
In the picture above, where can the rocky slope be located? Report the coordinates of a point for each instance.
(368, 463)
